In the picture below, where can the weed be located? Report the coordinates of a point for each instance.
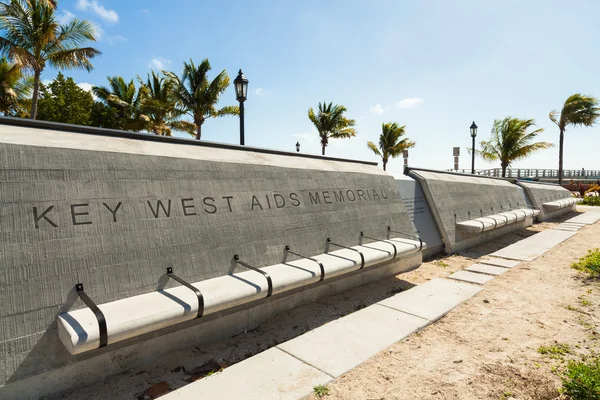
(211, 373)
(571, 308)
(441, 263)
(321, 391)
(506, 395)
(591, 201)
(581, 381)
(555, 351)
(590, 263)
(584, 302)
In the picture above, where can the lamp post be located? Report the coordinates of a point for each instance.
(298, 147)
(473, 135)
(241, 92)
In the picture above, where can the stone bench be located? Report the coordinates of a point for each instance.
(562, 203)
(490, 222)
(127, 318)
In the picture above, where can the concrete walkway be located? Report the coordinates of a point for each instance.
(292, 369)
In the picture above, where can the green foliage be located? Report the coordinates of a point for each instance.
(32, 38)
(197, 96)
(320, 391)
(555, 351)
(124, 101)
(581, 381)
(159, 107)
(511, 142)
(15, 86)
(578, 110)
(331, 123)
(591, 201)
(590, 263)
(63, 101)
(391, 143)
(104, 116)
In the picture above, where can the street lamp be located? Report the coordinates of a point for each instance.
(473, 135)
(298, 147)
(241, 92)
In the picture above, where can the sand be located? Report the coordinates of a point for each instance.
(485, 349)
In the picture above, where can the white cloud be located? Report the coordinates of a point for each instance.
(159, 63)
(87, 87)
(145, 11)
(410, 102)
(98, 31)
(93, 6)
(66, 17)
(258, 91)
(116, 39)
(377, 109)
(46, 82)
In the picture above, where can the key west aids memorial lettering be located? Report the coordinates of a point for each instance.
(81, 213)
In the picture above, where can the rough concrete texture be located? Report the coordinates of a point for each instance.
(540, 193)
(459, 197)
(417, 208)
(113, 213)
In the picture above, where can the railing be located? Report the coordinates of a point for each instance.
(550, 174)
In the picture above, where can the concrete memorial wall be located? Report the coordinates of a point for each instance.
(113, 211)
(552, 200)
(420, 214)
(471, 209)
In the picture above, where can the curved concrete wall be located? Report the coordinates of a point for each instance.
(545, 193)
(113, 213)
(420, 214)
(456, 197)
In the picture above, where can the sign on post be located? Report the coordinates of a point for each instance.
(405, 156)
(456, 153)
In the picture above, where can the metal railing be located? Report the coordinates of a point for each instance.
(550, 174)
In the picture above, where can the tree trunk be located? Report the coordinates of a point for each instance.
(323, 144)
(385, 161)
(36, 91)
(560, 155)
(503, 169)
(198, 131)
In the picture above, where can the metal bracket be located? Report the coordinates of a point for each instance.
(408, 234)
(287, 248)
(362, 235)
(236, 258)
(170, 274)
(97, 312)
(362, 257)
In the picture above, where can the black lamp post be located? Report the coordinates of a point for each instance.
(241, 92)
(298, 147)
(473, 135)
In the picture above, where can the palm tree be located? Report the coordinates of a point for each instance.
(32, 37)
(331, 123)
(127, 99)
(511, 142)
(578, 110)
(159, 106)
(391, 143)
(15, 87)
(198, 97)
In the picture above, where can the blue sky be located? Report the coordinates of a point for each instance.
(432, 65)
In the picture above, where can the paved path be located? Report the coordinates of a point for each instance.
(291, 369)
